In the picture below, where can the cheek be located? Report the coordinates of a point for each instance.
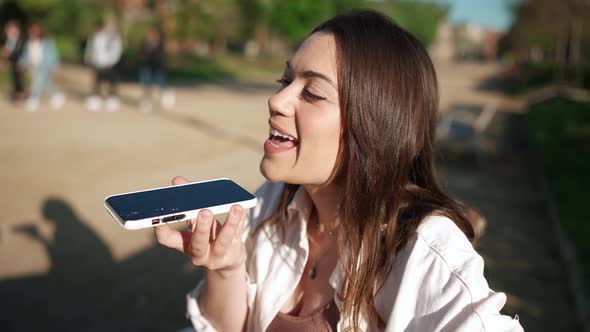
(322, 140)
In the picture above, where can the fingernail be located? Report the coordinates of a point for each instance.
(237, 211)
(204, 216)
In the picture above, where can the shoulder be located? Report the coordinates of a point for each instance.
(438, 279)
(444, 239)
(441, 263)
(445, 245)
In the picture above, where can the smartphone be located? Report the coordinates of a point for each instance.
(153, 207)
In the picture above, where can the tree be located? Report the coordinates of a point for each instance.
(294, 19)
(422, 19)
(555, 27)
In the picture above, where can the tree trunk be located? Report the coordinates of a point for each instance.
(560, 52)
(576, 41)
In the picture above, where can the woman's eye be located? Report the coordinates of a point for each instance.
(283, 82)
(305, 94)
(310, 96)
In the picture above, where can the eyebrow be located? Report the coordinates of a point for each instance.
(311, 73)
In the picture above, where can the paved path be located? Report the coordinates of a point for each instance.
(64, 264)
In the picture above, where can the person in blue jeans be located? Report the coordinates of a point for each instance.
(152, 68)
(41, 58)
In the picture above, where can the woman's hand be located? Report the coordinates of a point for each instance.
(207, 243)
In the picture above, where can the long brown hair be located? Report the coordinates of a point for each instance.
(389, 104)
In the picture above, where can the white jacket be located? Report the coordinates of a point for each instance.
(104, 49)
(436, 283)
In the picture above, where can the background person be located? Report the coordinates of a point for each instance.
(352, 231)
(12, 50)
(103, 53)
(152, 71)
(41, 58)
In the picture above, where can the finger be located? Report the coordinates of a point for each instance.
(226, 235)
(172, 238)
(179, 180)
(241, 227)
(215, 229)
(190, 224)
(202, 234)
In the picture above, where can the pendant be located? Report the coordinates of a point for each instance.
(312, 272)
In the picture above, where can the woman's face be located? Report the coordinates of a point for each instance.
(304, 134)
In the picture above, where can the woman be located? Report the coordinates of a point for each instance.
(352, 232)
(41, 58)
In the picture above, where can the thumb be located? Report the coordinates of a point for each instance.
(179, 180)
(171, 238)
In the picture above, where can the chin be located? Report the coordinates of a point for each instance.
(277, 173)
(269, 172)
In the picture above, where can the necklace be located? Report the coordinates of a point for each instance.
(314, 222)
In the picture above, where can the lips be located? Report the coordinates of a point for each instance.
(279, 140)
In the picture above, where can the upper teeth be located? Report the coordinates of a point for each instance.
(275, 132)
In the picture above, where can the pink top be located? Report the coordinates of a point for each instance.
(324, 320)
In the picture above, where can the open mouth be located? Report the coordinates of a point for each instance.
(279, 141)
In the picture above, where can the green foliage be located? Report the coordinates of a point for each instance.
(184, 68)
(69, 48)
(223, 24)
(419, 18)
(190, 20)
(4, 80)
(345, 5)
(206, 19)
(535, 75)
(295, 19)
(65, 17)
(136, 32)
(253, 14)
(560, 131)
(550, 26)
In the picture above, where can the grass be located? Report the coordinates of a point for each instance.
(560, 130)
(264, 68)
(5, 77)
(187, 68)
(69, 49)
(184, 68)
(224, 67)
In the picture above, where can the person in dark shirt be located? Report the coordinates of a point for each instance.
(12, 50)
(152, 70)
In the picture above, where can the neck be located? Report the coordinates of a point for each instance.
(325, 200)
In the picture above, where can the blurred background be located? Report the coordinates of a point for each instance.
(182, 90)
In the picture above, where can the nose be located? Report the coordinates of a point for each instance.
(283, 102)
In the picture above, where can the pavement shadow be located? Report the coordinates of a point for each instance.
(86, 289)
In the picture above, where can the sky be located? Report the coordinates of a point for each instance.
(488, 13)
